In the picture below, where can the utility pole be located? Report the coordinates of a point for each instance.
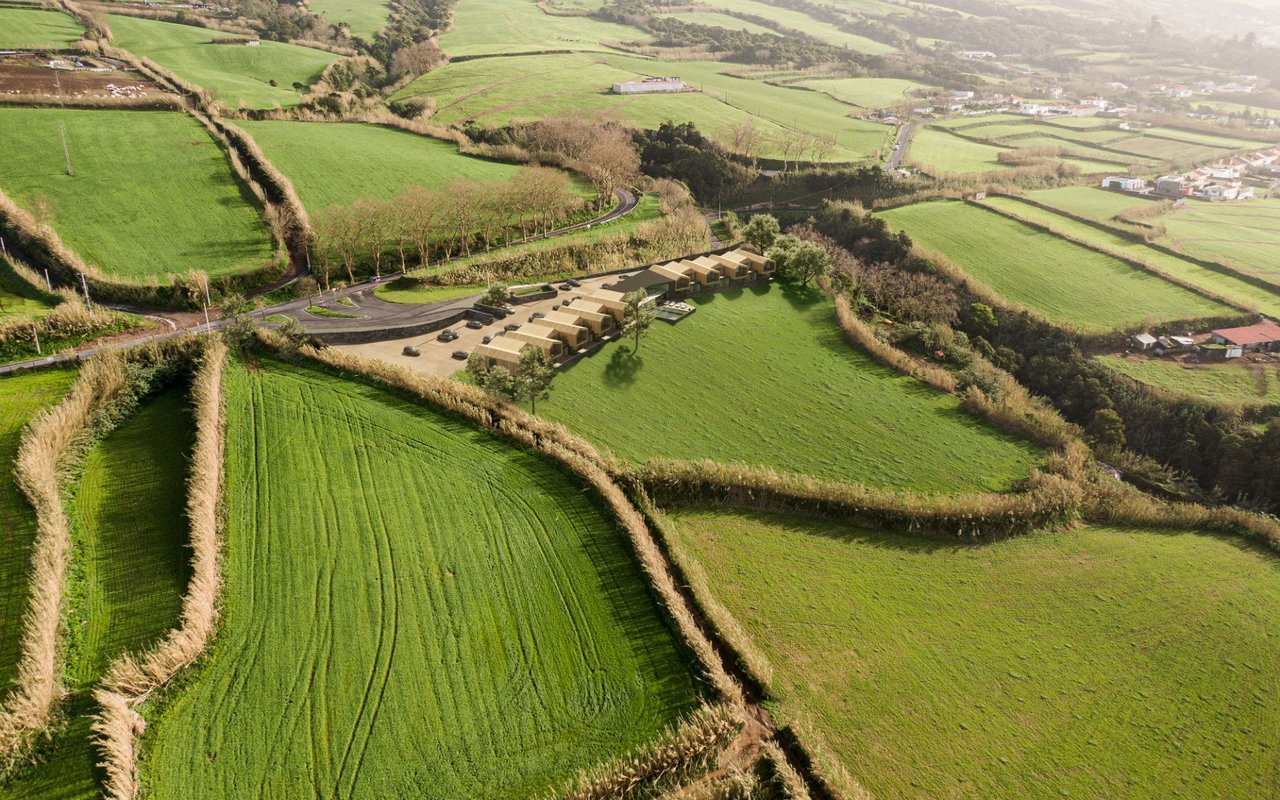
(85, 286)
(206, 301)
(62, 129)
(35, 334)
(47, 283)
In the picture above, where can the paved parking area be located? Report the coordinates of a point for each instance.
(437, 356)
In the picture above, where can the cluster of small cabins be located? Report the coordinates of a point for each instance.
(1221, 181)
(1222, 344)
(583, 321)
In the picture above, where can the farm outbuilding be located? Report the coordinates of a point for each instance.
(1144, 341)
(1264, 337)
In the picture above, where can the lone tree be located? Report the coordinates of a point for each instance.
(533, 382)
(798, 260)
(495, 381)
(637, 316)
(496, 295)
(761, 231)
(1106, 429)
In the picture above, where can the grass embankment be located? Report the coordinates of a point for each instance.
(1218, 282)
(19, 298)
(1233, 384)
(151, 195)
(364, 18)
(496, 91)
(795, 20)
(1087, 663)
(233, 73)
(31, 27)
(1064, 281)
(869, 92)
(21, 396)
(338, 163)
(411, 607)
(126, 587)
(763, 376)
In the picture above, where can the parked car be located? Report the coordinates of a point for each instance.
(574, 282)
(475, 324)
(460, 355)
(486, 340)
(447, 335)
(410, 350)
(564, 287)
(536, 315)
(512, 326)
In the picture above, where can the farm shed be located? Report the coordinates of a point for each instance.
(1144, 341)
(539, 338)
(564, 327)
(1265, 337)
(650, 86)
(502, 352)
(591, 315)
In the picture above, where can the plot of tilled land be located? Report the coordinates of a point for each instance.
(20, 77)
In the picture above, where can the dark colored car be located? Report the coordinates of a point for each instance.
(447, 336)
(410, 350)
(460, 355)
(574, 282)
(475, 324)
(513, 326)
(564, 287)
(536, 315)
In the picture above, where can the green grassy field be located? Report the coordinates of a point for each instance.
(21, 396)
(722, 385)
(1220, 283)
(338, 163)
(29, 27)
(1090, 201)
(234, 73)
(152, 193)
(127, 581)
(496, 91)
(488, 27)
(940, 153)
(412, 608)
(1088, 663)
(19, 299)
(1220, 383)
(364, 18)
(799, 21)
(1066, 282)
(1243, 235)
(715, 19)
(868, 92)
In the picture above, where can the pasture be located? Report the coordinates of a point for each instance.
(722, 385)
(127, 581)
(1244, 236)
(339, 163)
(1090, 201)
(1087, 663)
(939, 153)
(21, 396)
(715, 19)
(1218, 282)
(494, 27)
(497, 91)
(1063, 281)
(257, 77)
(411, 608)
(364, 18)
(32, 27)
(1230, 384)
(799, 21)
(868, 92)
(152, 193)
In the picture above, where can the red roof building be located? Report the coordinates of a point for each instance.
(1264, 335)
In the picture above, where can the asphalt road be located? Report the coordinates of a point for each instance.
(900, 146)
(377, 313)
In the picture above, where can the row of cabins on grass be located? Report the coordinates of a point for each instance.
(580, 322)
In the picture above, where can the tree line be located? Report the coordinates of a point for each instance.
(420, 225)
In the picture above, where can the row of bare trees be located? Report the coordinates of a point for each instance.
(421, 224)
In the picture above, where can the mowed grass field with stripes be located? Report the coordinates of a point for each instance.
(412, 608)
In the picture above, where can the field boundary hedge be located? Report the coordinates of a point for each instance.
(131, 679)
(52, 447)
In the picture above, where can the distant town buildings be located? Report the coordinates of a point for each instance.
(1224, 180)
(650, 86)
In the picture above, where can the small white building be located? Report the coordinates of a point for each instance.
(650, 86)
(1123, 183)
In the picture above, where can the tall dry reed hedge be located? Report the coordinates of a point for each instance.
(131, 678)
(49, 455)
(1050, 500)
(684, 751)
(44, 464)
